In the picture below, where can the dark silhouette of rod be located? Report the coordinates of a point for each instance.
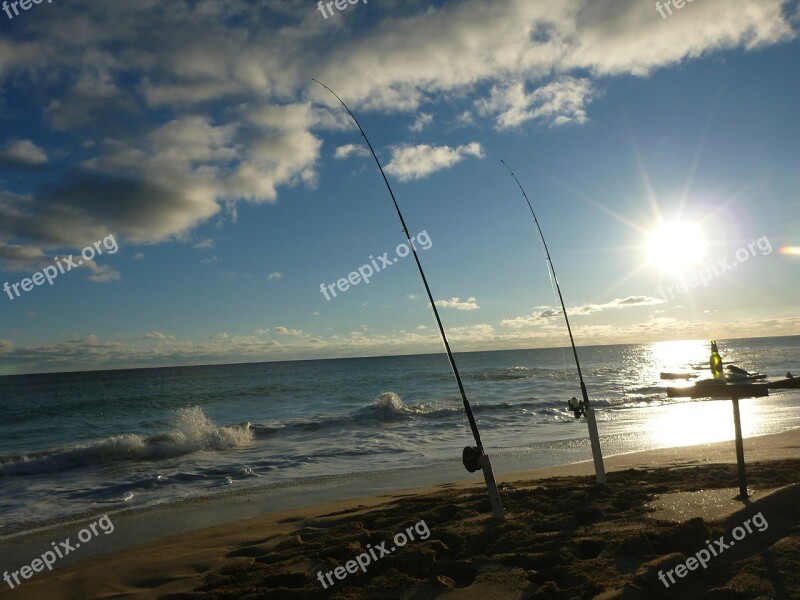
(558, 287)
(467, 408)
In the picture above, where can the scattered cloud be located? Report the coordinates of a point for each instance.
(202, 244)
(421, 122)
(414, 162)
(22, 259)
(465, 119)
(633, 301)
(348, 150)
(173, 163)
(22, 153)
(287, 331)
(457, 304)
(75, 354)
(617, 303)
(155, 335)
(274, 276)
(101, 273)
(542, 314)
(558, 103)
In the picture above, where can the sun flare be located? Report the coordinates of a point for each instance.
(676, 246)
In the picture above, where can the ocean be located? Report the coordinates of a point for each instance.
(79, 444)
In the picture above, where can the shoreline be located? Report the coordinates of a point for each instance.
(129, 551)
(259, 496)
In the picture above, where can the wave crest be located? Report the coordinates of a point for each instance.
(194, 432)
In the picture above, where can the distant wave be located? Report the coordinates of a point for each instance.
(517, 372)
(194, 432)
(388, 408)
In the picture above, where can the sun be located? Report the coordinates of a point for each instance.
(676, 246)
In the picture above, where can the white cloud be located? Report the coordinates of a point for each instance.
(421, 122)
(172, 162)
(617, 303)
(287, 331)
(75, 354)
(465, 119)
(415, 162)
(458, 304)
(350, 150)
(557, 103)
(101, 273)
(482, 332)
(23, 153)
(633, 301)
(543, 314)
(203, 244)
(28, 259)
(274, 276)
(22, 259)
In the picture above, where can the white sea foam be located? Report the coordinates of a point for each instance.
(194, 432)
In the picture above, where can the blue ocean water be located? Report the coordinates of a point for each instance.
(76, 443)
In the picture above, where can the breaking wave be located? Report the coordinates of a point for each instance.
(193, 432)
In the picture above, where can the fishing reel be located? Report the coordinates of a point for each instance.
(471, 457)
(577, 406)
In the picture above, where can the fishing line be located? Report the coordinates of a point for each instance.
(583, 407)
(474, 458)
(551, 277)
(560, 347)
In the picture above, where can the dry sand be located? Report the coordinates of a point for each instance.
(564, 537)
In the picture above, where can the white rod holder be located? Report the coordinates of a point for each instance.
(594, 438)
(491, 485)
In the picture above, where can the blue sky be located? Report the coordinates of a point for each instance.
(234, 186)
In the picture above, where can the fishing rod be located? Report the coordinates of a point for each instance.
(474, 458)
(583, 407)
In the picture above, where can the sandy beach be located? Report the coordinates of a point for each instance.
(564, 537)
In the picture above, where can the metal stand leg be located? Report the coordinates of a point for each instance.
(739, 450)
